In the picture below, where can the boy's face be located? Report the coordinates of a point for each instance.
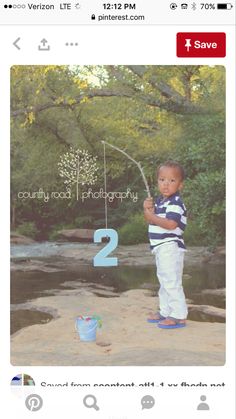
(169, 180)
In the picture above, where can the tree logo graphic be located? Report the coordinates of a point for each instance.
(78, 167)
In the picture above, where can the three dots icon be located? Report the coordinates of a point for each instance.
(71, 44)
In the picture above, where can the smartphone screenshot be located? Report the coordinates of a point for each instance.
(118, 209)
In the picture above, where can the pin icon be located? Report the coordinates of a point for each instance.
(188, 44)
(34, 402)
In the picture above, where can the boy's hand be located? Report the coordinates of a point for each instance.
(148, 204)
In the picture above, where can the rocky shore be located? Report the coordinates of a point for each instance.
(125, 338)
(133, 255)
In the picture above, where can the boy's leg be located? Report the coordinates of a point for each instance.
(170, 271)
(164, 308)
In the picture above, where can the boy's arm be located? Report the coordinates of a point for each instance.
(159, 221)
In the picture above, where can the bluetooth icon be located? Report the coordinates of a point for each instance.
(34, 402)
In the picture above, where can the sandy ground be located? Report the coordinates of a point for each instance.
(124, 339)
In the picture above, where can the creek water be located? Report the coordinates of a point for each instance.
(104, 282)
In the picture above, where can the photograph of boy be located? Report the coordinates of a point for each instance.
(118, 215)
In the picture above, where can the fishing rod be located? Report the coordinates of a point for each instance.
(134, 161)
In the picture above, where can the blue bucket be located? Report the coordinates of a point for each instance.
(86, 329)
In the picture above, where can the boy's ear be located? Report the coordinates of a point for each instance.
(181, 186)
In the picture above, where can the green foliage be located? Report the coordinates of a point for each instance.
(134, 231)
(193, 235)
(84, 221)
(28, 229)
(205, 197)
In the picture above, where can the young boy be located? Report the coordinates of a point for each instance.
(167, 221)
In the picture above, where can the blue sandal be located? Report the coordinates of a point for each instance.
(175, 323)
(155, 318)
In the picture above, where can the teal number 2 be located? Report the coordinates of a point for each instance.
(101, 258)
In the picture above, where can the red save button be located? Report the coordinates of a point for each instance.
(201, 44)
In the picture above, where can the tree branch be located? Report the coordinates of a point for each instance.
(176, 106)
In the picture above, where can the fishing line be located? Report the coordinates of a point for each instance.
(105, 179)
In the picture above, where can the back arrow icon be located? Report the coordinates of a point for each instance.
(16, 42)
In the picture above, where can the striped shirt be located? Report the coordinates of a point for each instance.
(172, 208)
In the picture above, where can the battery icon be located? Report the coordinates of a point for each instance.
(224, 6)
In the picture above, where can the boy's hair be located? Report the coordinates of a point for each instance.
(175, 165)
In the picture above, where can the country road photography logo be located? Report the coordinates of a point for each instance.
(78, 169)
